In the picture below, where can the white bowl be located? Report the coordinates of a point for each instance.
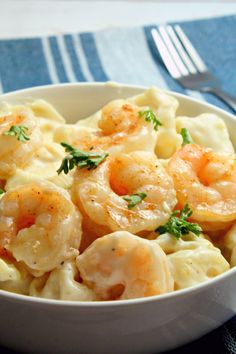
(147, 325)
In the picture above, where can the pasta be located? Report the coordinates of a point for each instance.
(133, 201)
(61, 284)
(192, 259)
(218, 140)
(165, 106)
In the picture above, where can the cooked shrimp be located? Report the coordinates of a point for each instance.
(123, 266)
(15, 153)
(207, 182)
(39, 226)
(121, 130)
(99, 192)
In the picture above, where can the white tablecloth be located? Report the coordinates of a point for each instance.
(21, 18)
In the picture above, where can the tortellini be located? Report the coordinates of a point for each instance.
(165, 106)
(43, 109)
(44, 166)
(191, 267)
(14, 279)
(228, 246)
(199, 128)
(61, 284)
(192, 259)
(8, 271)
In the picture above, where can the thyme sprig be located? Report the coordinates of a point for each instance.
(19, 131)
(134, 199)
(178, 225)
(79, 158)
(150, 116)
(187, 139)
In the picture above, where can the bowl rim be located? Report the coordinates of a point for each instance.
(195, 289)
(116, 303)
(113, 84)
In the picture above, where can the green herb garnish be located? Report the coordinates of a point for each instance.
(150, 116)
(179, 225)
(186, 137)
(1, 191)
(134, 199)
(19, 131)
(81, 159)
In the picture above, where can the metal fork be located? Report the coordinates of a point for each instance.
(184, 63)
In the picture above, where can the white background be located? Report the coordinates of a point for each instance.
(21, 18)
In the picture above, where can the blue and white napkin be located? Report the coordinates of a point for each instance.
(126, 55)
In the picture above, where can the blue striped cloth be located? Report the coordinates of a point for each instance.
(125, 55)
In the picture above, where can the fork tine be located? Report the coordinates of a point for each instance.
(166, 57)
(181, 50)
(173, 52)
(198, 62)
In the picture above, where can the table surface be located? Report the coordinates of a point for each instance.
(48, 17)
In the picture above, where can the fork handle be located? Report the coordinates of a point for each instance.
(228, 99)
